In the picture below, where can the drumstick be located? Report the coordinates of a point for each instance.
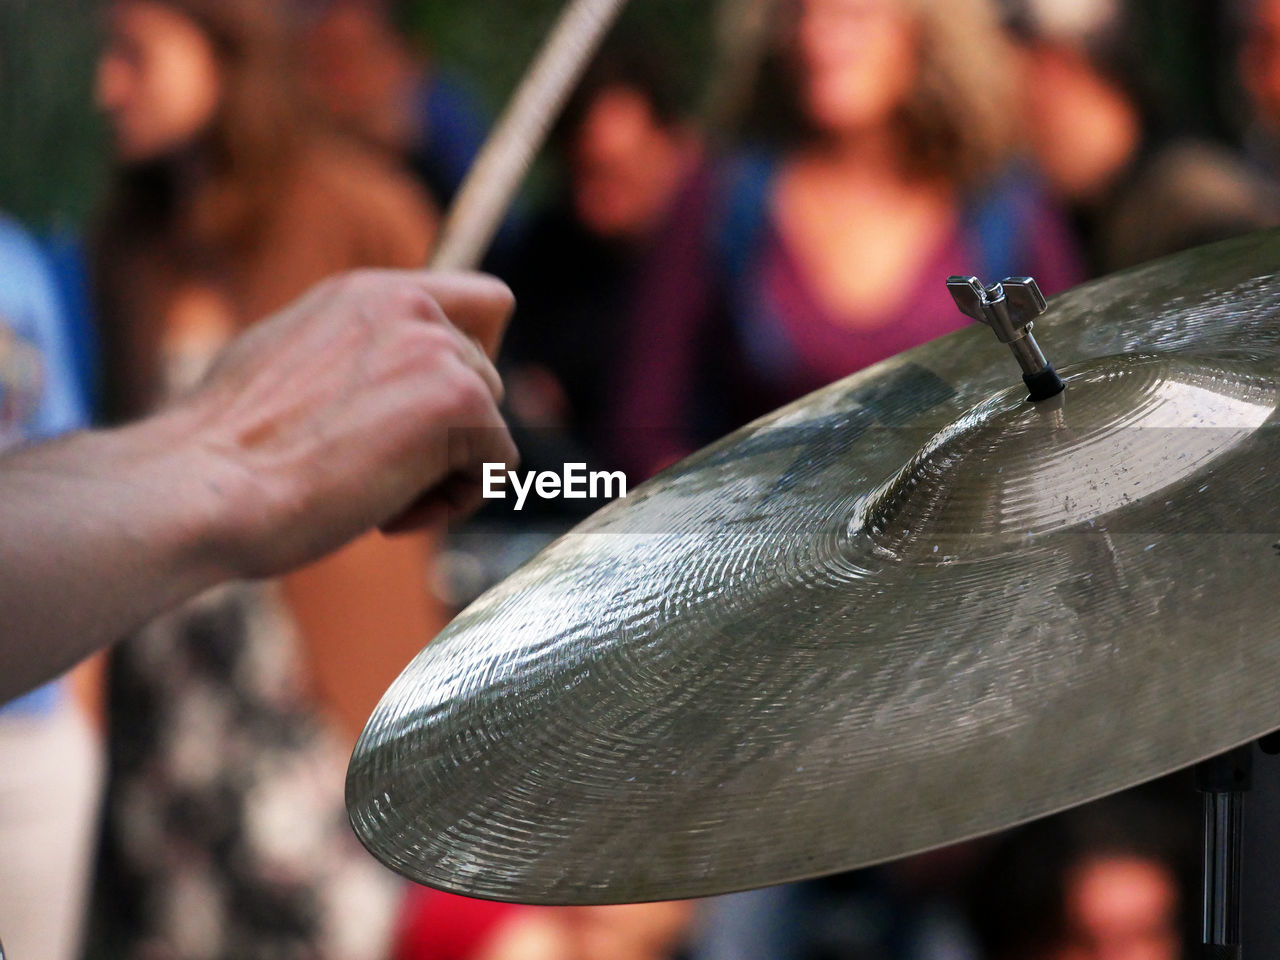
(506, 158)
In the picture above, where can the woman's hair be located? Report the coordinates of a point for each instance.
(250, 144)
(959, 121)
(638, 63)
(169, 218)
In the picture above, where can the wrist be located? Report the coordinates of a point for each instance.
(190, 497)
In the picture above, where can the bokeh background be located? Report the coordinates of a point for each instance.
(47, 52)
(684, 261)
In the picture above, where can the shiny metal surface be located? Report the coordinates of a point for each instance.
(907, 610)
(1223, 848)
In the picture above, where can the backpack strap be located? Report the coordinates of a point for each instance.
(999, 220)
(741, 214)
(740, 221)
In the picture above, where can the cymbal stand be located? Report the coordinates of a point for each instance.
(1010, 308)
(1224, 781)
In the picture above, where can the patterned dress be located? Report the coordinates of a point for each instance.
(227, 831)
(231, 836)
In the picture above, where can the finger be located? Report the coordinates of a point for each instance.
(473, 357)
(456, 300)
(457, 496)
(477, 304)
(464, 347)
(472, 447)
(486, 440)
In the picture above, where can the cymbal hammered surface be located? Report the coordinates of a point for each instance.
(907, 610)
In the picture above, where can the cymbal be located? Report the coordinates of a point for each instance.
(910, 609)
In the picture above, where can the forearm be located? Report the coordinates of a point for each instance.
(98, 533)
(331, 418)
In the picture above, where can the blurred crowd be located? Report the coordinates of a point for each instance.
(682, 273)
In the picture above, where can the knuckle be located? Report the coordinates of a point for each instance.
(467, 397)
(417, 302)
(500, 386)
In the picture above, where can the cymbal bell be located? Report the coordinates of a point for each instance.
(910, 609)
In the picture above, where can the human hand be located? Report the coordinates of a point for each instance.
(365, 404)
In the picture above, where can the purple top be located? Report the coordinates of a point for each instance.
(707, 358)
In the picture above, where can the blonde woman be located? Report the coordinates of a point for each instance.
(890, 127)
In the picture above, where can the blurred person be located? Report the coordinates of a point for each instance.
(1138, 187)
(50, 754)
(231, 717)
(374, 84)
(788, 270)
(1114, 880)
(627, 153)
(627, 146)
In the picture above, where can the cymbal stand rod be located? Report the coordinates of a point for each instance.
(1223, 781)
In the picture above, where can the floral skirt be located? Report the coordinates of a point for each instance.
(225, 834)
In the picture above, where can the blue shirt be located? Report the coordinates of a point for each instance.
(40, 395)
